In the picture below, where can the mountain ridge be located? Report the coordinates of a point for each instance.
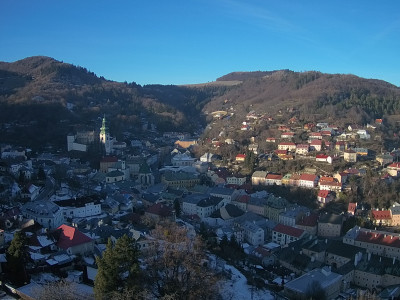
(35, 82)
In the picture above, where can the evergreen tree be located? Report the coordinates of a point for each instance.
(41, 174)
(118, 269)
(16, 259)
(177, 207)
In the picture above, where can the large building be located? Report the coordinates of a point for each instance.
(46, 213)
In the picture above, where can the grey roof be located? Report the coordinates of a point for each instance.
(211, 201)
(344, 250)
(222, 191)
(323, 276)
(41, 208)
(194, 198)
(330, 218)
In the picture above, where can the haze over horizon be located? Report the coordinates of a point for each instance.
(186, 42)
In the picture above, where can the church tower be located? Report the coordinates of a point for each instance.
(105, 138)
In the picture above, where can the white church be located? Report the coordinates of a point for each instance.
(81, 140)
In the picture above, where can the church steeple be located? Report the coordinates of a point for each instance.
(105, 138)
(104, 127)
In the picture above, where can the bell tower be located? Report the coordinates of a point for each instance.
(105, 136)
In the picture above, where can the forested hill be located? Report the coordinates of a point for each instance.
(313, 95)
(46, 98)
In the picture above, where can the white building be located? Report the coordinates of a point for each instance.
(46, 213)
(80, 208)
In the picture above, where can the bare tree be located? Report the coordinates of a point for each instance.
(177, 266)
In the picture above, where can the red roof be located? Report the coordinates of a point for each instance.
(395, 165)
(378, 238)
(280, 152)
(316, 142)
(381, 214)
(315, 134)
(302, 146)
(287, 144)
(352, 207)
(241, 156)
(326, 178)
(308, 177)
(323, 193)
(310, 221)
(71, 236)
(288, 230)
(274, 176)
(321, 156)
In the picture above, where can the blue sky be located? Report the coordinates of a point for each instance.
(194, 41)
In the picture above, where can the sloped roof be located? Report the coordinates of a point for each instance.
(160, 210)
(288, 230)
(308, 177)
(381, 214)
(323, 193)
(71, 236)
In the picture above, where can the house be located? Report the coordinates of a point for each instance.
(274, 179)
(294, 180)
(115, 176)
(393, 169)
(315, 136)
(286, 178)
(287, 146)
(107, 162)
(330, 282)
(81, 207)
(253, 234)
(350, 155)
(208, 157)
(236, 179)
(283, 234)
(308, 180)
(274, 206)
(257, 205)
(333, 186)
(253, 148)
(228, 195)
(381, 217)
(182, 160)
(341, 177)
(308, 223)
(270, 140)
(351, 208)
(240, 157)
(325, 196)
(340, 146)
(160, 212)
(361, 151)
(323, 158)
(292, 214)
(384, 159)
(281, 153)
(302, 149)
(363, 134)
(180, 179)
(376, 242)
(395, 211)
(73, 241)
(30, 192)
(259, 178)
(316, 145)
(330, 225)
(46, 213)
(287, 135)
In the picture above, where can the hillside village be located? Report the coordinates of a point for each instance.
(223, 188)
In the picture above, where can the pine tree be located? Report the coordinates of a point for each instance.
(16, 258)
(118, 269)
